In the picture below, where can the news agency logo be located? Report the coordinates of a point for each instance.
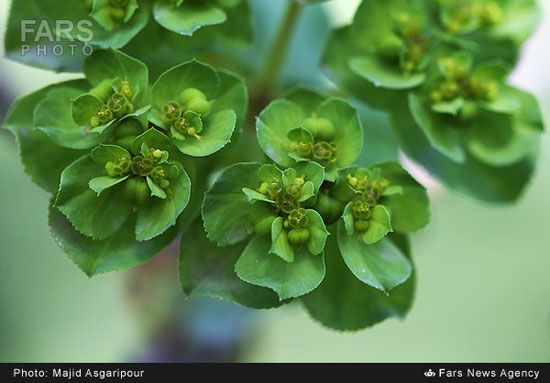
(429, 373)
(62, 37)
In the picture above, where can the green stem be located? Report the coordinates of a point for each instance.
(276, 58)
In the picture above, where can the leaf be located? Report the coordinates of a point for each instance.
(318, 233)
(382, 75)
(499, 140)
(443, 137)
(119, 251)
(153, 139)
(342, 302)
(158, 215)
(379, 224)
(124, 33)
(381, 265)
(106, 153)
(53, 116)
(208, 271)
(287, 279)
(232, 95)
(156, 191)
(188, 17)
(471, 178)
(308, 99)
(99, 184)
(279, 241)
(226, 209)
(43, 161)
(217, 132)
(96, 216)
(272, 127)
(409, 209)
(253, 195)
(109, 64)
(449, 107)
(101, 12)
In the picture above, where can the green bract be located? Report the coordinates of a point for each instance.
(306, 127)
(198, 107)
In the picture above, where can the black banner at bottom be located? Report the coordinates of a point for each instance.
(129, 372)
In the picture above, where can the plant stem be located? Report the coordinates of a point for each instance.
(276, 58)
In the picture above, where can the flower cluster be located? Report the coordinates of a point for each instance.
(439, 68)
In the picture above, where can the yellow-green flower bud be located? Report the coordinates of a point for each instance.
(298, 237)
(320, 127)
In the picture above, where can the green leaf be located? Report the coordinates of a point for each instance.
(279, 241)
(208, 271)
(153, 139)
(99, 184)
(188, 17)
(381, 265)
(232, 95)
(119, 251)
(84, 107)
(53, 116)
(287, 279)
(378, 72)
(410, 208)
(442, 136)
(226, 209)
(471, 178)
(124, 33)
(449, 107)
(308, 99)
(253, 195)
(318, 233)
(157, 215)
(273, 125)
(343, 302)
(269, 172)
(96, 216)
(102, 13)
(110, 64)
(43, 161)
(499, 140)
(156, 191)
(106, 153)
(217, 132)
(300, 135)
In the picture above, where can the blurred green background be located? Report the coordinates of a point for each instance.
(483, 291)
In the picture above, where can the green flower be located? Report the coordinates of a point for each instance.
(288, 236)
(198, 106)
(83, 117)
(112, 187)
(468, 110)
(306, 127)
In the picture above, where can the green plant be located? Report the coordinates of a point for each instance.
(156, 141)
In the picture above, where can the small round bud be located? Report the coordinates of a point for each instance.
(329, 208)
(299, 236)
(263, 226)
(117, 14)
(190, 94)
(361, 210)
(200, 106)
(361, 225)
(320, 127)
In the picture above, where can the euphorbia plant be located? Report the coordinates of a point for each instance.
(154, 142)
